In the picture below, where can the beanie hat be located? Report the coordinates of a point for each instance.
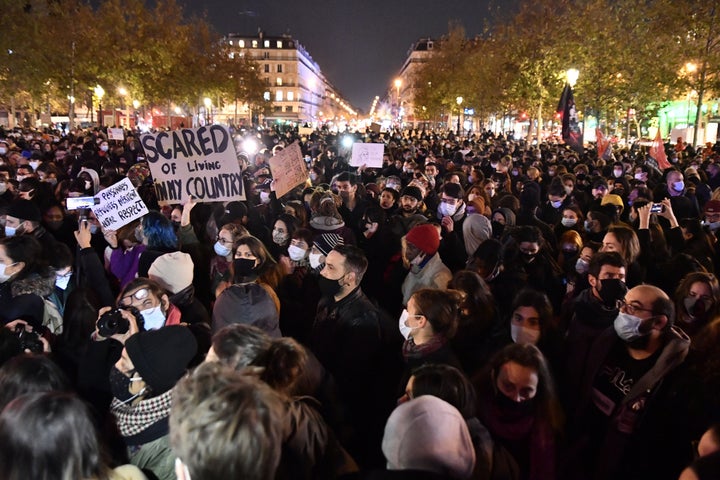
(530, 195)
(249, 304)
(425, 237)
(234, 210)
(712, 206)
(162, 356)
(24, 210)
(327, 241)
(412, 191)
(173, 271)
(612, 199)
(428, 434)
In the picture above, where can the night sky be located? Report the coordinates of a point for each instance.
(360, 45)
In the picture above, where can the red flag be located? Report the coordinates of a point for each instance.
(604, 150)
(657, 151)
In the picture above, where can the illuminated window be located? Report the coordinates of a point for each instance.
(278, 96)
(278, 81)
(279, 44)
(266, 44)
(231, 42)
(291, 96)
(254, 43)
(241, 43)
(266, 96)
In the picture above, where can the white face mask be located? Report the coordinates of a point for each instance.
(88, 184)
(568, 189)
(221, 249)
(104, 148)
(471, 197)
(3, 187)
(315, 259)
(524, 335)
(447, 210)
(556, 204)
(404, 329)
(617, 173)
(264, 197)
(4, 277)
(568, 222)
(581, 266)
(640, 176)
(61, 281)
(34, 164)
(154, 318)
(3, 150)
(296, 253)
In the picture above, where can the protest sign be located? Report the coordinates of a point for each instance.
(375, 127)
(368, 154)
(119, 204)
(288, 169)
(194, 161)
(116, 134)
(305, 131)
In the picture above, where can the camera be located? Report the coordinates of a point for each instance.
(656, 208)
(112, 321)
(28, 340)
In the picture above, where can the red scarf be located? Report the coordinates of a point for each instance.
(413, 351)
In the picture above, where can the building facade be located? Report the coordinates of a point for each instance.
(299, 92)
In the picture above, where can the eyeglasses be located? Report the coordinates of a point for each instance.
(630, 308)
(222, 241)
(141, 294)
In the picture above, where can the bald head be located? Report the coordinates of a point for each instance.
(654, 299)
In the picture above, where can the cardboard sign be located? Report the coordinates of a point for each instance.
(116, 134)
(305, 131)
(194, 161)
(375, 127)
(119, 204)
(288, 169)
(368, 154)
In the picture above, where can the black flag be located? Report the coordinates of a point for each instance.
(571, 133)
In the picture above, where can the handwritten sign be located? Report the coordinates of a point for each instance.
(119, 205)
(369, 154)
(375, 127)
(288, 169)
(116, 134)
(305, 131)
(194, 161)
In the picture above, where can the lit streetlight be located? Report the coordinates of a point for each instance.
(208, 104)
(459, 101)
(99, 93)
(572, 76)
(124, 93)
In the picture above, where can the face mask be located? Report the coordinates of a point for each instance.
(524, 335)
(713, 225)
(4, 277)
(296, 253)
(627, 326)
(471, 197)
(328, 287)
(280, 238)
(120, 386)
(568, 190)
(221, 249)
(497, 228)
(93, 229)
(640, 176)
(447, 210)
(51, 181)
(34, 164)
(104, 148)
(264, 197)
(612, 290)
(696, 307)
(61, 281)
(404, 329)
(568, 222)
(678, 186)
(3, 150)
(528, 257)
(515, 173)
(556, 204)
(313, 176)
(10, 231)
(54, 225)
(3, 187)
(582, 266)
(588, 226)
(20, 178)
(244, 266)
(617, 173)
(154, 318)
(315, 259)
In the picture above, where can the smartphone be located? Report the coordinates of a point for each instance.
(74, 203)
(656, 208)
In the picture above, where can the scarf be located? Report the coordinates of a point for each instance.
(412, 351)
(134, 419)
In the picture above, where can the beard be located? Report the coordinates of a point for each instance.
(639, 343)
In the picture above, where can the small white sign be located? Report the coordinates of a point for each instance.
(119, 205)
(368, 154)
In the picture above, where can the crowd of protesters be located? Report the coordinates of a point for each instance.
(479, 307)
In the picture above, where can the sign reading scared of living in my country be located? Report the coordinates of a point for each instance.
(194, 161)
(118, 205)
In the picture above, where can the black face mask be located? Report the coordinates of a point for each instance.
(244, 267)
(497, 229)
(611, 290)
(120, 385)
(512, 407)
(328, 287)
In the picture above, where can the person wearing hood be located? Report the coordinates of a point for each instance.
(529, 203)
(697, 302)
(502, 218)
(420, 255)
(91, 180)
(622, 427)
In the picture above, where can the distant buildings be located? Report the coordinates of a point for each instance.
(296, 86)
(402, 93)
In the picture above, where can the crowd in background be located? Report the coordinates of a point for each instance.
(479, 307)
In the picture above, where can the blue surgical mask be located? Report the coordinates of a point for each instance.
(628, 326)
(154, 318)
(10, 231)
(404, 329)
(221, 249)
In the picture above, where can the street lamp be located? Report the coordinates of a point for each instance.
(99, 93)
(572, 76)
(123, 93)
(208, 104)
(459, 101)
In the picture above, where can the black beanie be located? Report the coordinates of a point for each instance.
(162, 356)
(24, 210)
